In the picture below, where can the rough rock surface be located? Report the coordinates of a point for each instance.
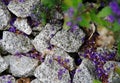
(4, 16)
(62, 57)
(36, 81)
(22, 25)
(14, 43)
(69, 41)
(3, 65)
(22, 66)
(41, 41)
(51, 72)
(7, 79)
(85, 72)
(113, 76)
(22, 8)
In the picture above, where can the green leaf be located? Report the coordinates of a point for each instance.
(105, 12)
(70, 3)
(118, 48)
(117, 70)
(115, 27)
(85, 22)
(96, 81)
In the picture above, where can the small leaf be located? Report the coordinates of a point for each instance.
(118, 48)
(85, 20)
(117, 70)
(96, 81)
(115, 27)
(105, 12)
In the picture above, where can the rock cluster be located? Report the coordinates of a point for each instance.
(52, 43)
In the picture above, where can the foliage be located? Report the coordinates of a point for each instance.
(96, 81)
(117, 70)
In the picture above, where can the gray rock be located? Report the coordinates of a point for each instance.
(3, 65)
(7, 79)
(41, 41)
(67, 40)
(22, 25)
(85, 73)
(109, 68)
(63, 58)
(51, 72)
(22, 66)
(4, 16)
(14, 43)
(22, 9)
(36, 81)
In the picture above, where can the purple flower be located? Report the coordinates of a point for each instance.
(70, 12)
(69, 23)
(73, 28)
(9, 81)
(114, 6)
(12, 29)
(60, 73)
(66, 60)
(6, 2)
(21, 0)
(12, 21)
(50, 61)
(119, 20)
(111, 18)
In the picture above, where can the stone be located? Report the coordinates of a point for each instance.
(51, 72)
(3, 65)
(7, 79)
(85, 73)
(4, 16)
(22, 25)
(14, 43)
(109, 67)
(36, 81)
(67, 40)
(22, 9)
(63, 58)
(22, 66)
(41, 41)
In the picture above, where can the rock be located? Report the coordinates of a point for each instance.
(7, 79)
(3, 65)
(14, 43)
(4, 16)
(63, 58)
(22, 25)
(22, 66)
(36, 81)
(51, 72)
(41, 41)
(85, 72)
(110, 70)
(22, 9)
(67, 40)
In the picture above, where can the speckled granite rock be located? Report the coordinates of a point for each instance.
(85, 73)
(113, 76)
(4, 16)
(62, 57)
(51, 72)
(67, 40)
(22, 25)
(7, 79)
(22, 66)
(14, 43)
(22, 9)
(3, 65)
(36, 81)
(41, 41)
